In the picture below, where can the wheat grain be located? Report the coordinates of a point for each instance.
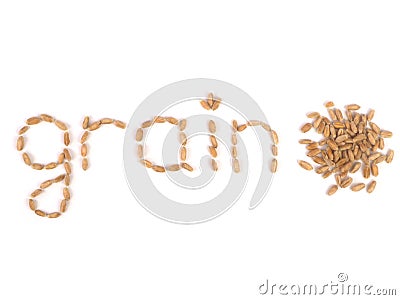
(20, 143)
(357, 187)
(26, 158)
(32, 204)
(85, 123)
(119, 124)
(53, 215)
(211, 126)
(332, 190)
(274, 165)
(61, 125)
(305, 165)
(33, 121)
(187, 167)
(40, 213)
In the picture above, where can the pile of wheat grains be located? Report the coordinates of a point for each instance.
(350, 142)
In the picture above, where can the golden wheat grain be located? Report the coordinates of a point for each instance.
(266, 127)
(67, 180)
(32, 204)
(66, 193)
(332, 190)
(84, 137)
(314, 152)
(37, 166)
(67, 140)
(59, 178)
(94, 126)
(174, 168)
(85, 123)
(274, 150)
(183, 153)
(366, 171)
(332, 114)
(318, 160)
(312, 146)
(139, 135)
(205, 105)
(305, 141)
(172, 120)
(187, 167)
(357, 187)
(306, 127)
(234, 152)
(23, 130)
(313, 115)
(389, 156)
(371, 186)
(214, 165)
(234, 125)
(305, 165)
(212, 151)
(36, 193)
(182, 124)
(85, 164)
(119, 124)
(346, 182)
(140, 151)
(371, 138)
(147, 163)
(317, 121)
(50, 166)
(47, 118)
(274, 137)
(375, 127)
(234, 139)
(26, 158)
(374, 170)
(40, 213)
(105, 121)
(67, 168)
(216, 104)
(380, 159)
(338, 179)
(211, 126)
(274, 165)
(182, 138)
(329, 104)
(159, 119)
(61, 125)
(63, 206)
(84, 150)
(236, 166)
(241, 127)
(33, 121)
(67, 154)
(20, 143)
(253, 123)
(213, 141)
(53, 215)
(386, 134)
(210, 99)
(353, 107)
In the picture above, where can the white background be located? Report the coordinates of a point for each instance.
(104, 57)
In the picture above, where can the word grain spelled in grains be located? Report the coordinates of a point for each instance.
(350, 142)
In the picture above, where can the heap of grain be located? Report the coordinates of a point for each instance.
(350, 142)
